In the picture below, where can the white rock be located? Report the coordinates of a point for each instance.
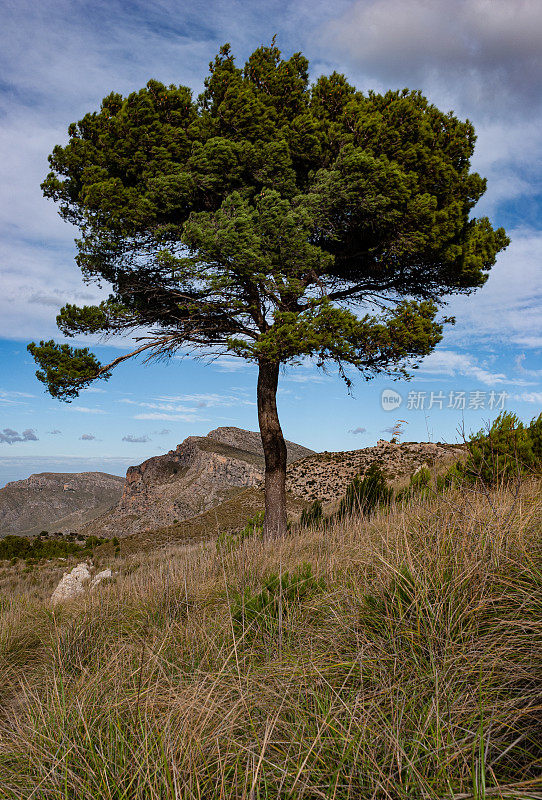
(104, 575)
(71, 584)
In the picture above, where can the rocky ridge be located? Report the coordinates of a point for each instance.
(56, 501)
(325, 476)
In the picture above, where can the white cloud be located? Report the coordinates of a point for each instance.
(450, 363)
(526, 372)
(207, 400)
(188, 406)
(10, 398)
(529, 341)
(508, 309)
(171, 417)
(230, 364)
(85, 410)
(480, 58)
(300, 377)
(489, 49)
(528, 397)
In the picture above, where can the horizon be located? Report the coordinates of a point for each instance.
(488, 362)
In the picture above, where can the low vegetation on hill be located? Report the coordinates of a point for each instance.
(396, 655)
(43, 547)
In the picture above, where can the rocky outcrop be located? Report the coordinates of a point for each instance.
(325, 476)
(74, 583)
(71, 584)
(200, 473)
(56, 501)
(101, 577)
(251, 442)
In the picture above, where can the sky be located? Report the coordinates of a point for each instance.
(59, 58)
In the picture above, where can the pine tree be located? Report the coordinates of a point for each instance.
(270, 219)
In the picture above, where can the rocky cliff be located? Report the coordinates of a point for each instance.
(56, 501)
(200, 473)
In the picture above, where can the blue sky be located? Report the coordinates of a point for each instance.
(481, 58)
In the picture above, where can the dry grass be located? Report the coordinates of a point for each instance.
(416, 672)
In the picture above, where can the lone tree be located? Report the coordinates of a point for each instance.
(251, 220)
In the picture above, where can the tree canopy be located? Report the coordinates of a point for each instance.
(270, 218)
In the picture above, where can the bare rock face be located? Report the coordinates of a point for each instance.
(252, 443)
(200, 473)
(56, 501)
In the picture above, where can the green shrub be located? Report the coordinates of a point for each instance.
(313, 515)
(279, 595)
(503, 452)
(228, 541)
(454, 476)
(34, 549)
(535, 434)
(419, 485)
(365, 495)
(506, 451)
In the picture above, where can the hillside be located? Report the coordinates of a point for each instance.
(390, 657)
(201, 473)
(325, 476)
(318, 475)
(56, 501)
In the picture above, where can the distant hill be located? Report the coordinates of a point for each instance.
(56, 501)
(201, 473)
(325, 476)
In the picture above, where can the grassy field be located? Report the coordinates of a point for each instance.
(396, 657)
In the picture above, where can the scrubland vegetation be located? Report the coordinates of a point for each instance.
(391, 656)
(33, 549)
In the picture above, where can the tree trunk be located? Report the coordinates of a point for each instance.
(274, 448)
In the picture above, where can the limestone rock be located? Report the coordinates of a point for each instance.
(104, 575)
(71, 584)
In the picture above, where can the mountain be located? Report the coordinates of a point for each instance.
(202, 472)
(207, 483)
(56, 501)
(322, 476)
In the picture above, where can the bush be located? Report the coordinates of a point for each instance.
(365, 495)
(503, 452)
(535, 434)
(278, 597)
(313, 515)
(419, 485)
(24, 547)
(230, 540)
(506, 451)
